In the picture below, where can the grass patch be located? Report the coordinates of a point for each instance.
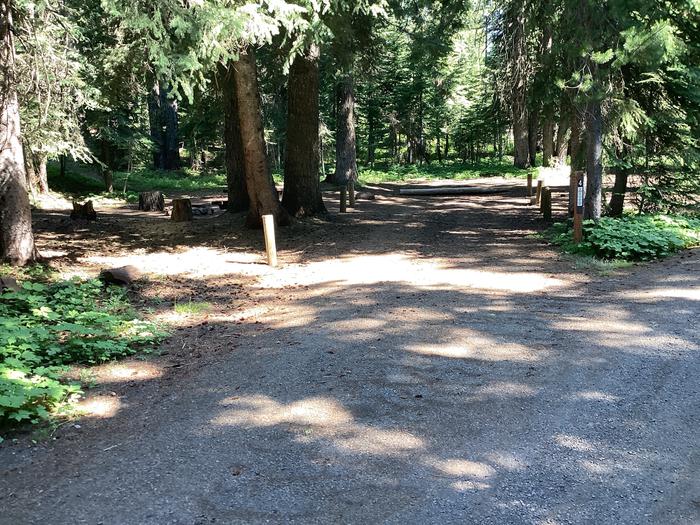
(191, 308)
(48, 325)
(631, 238)
(452, 170)
(79, 182)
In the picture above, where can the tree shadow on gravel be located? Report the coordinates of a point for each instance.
(392, 401)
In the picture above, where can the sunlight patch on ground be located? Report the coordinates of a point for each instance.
(463, 486)
(134, 371)
(195, 262)
(482, 350)
(257, 411)
(692, 293)
(507, 389)
(595, 395)
(99, 406)
(462, 468)
(574, 443)
(316, 418)
(507, 461)
(401, 268)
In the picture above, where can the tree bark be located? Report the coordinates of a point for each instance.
(41, 173)
(519, 107)
(594, 161)
(617, 200)
(16, 237)
(261, 187)
(578, 157)
(171, 157)
(182, 210)
(155, 122)
(345, 147)
(302, 192)
(235, 163)
(532, 129)
(151, 201)
(562, 141)
(547, 141)
(29, 170)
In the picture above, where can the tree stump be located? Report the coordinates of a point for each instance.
(8, 283)
(151, 201)
(182, 210)
(85, 212)
(123, 276)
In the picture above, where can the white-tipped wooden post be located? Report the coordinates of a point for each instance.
(270, 244)
(538, 193)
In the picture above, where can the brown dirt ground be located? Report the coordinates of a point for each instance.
(419, 359)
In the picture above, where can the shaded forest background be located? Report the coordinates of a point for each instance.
(315, 89)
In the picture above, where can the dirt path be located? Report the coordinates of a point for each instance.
(417, 361)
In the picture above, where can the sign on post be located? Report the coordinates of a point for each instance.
(578, 208)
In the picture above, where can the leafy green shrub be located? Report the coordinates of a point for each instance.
(633, 238)
(44, 327)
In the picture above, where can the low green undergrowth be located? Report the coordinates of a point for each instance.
(80, 181)
(435, 170)
(46, 326)
(630, 238)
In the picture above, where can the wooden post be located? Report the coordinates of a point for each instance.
(538, 193)
(578, 208)
(343, 199)
(529, 184)
(270, 244)
(546, 203)
(351, 194)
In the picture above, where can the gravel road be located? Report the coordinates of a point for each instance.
(427, 361)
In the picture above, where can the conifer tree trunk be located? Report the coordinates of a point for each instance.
(302, 193)
(155, 122)
(345, 146)
(547, 141)
(562, 143)
(41, 173)
(16, 237)
(532, 129)
(168, 105)
(261, 187)
(519, 91)
(238, 199)
(30, 179)
(578, 156)
(617, 200)
(594, 161)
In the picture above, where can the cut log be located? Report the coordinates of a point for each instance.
(8, 283)
(151, 201)
(85, 212)
(123, 276)
(451, 190)
(182, 210)
(365, 195)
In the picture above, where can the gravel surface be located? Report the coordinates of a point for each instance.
(424, 360)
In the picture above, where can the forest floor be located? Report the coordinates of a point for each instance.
(417, 360)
